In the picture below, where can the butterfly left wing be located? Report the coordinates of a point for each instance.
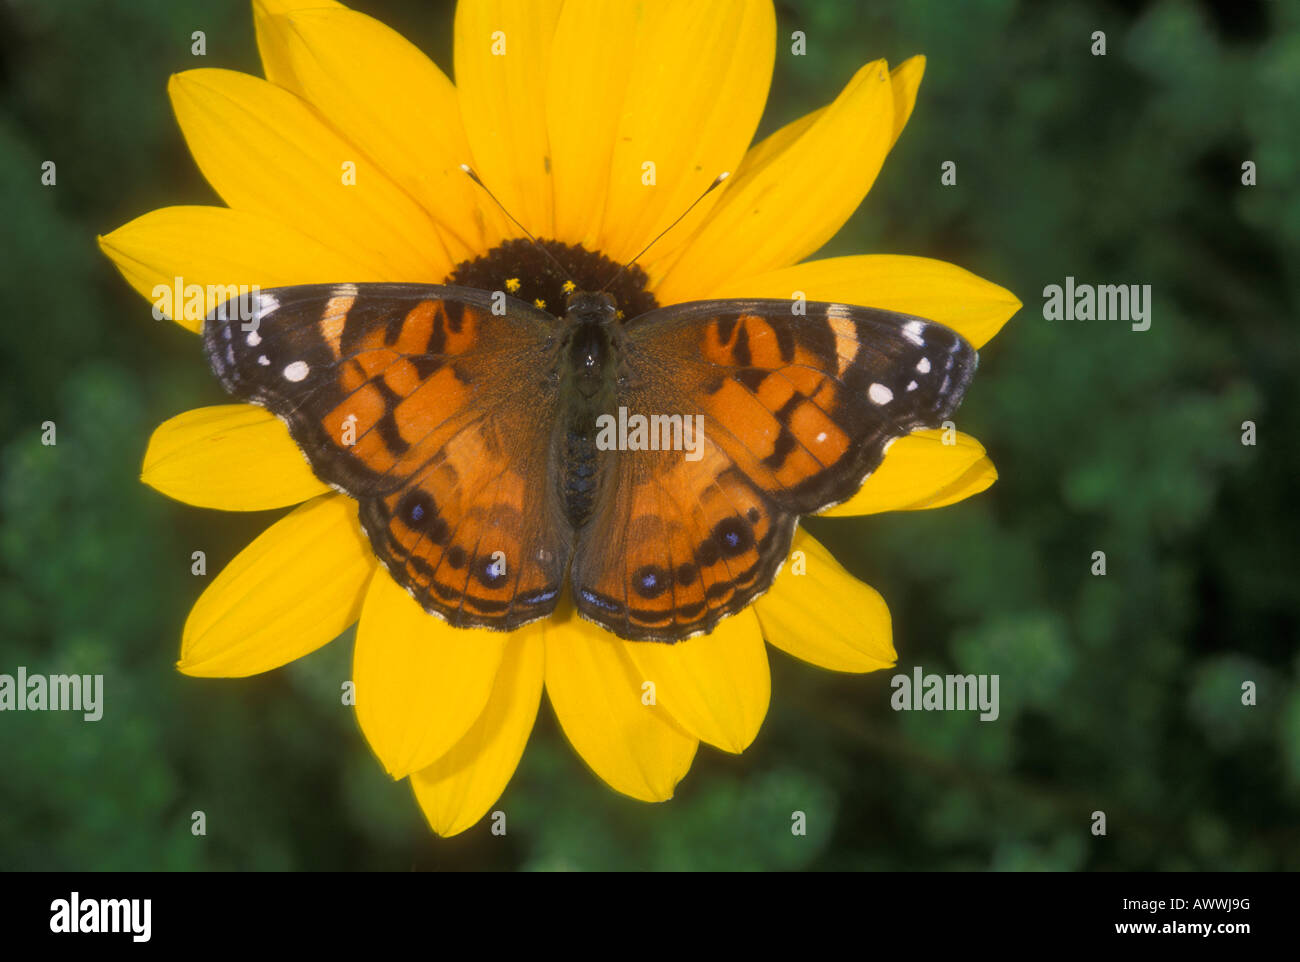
(434, 411)
(797, 410)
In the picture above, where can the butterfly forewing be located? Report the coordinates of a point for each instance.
(435, 413)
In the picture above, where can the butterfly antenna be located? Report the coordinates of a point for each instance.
(717, 182)
(537, 244)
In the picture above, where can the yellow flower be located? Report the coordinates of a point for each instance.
(561, 128)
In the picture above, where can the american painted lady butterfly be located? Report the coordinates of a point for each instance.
(473, 449)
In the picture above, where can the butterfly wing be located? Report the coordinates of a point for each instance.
(797, 410)
(436, 414)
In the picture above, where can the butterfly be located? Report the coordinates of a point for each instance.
(468, 426)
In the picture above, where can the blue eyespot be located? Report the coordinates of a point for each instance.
(651, 581)
(733, 536)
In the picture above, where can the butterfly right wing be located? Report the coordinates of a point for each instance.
(796, 409)
(436, 414)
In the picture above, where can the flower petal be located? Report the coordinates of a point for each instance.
(774, 144)
(266, 151)
(978, 477)
(905, 81)
(214, 248)
(458, 789)
(921, 471)
(596, 692)
(420, 682)
(779, 211)
(276, 63)
(973, 307)
(297, 586)
(503, 100)
(236, 457)
(697, 76)
(716, 686)
(826, 616)
(383, 94)
(584, 97)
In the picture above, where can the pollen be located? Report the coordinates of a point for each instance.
(538, 302)
(570, 287)
(512, 284)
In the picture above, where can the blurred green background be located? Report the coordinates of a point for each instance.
(1119, 693)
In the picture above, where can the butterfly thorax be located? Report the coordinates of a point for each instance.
(588, 372)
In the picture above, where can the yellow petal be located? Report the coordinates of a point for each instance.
(297, 586)
(236, 457)
(383, 94)
(596, 692)
(420, 682)
(717, 686)
(697, 78)
(458, 789)
(936, 290)
(774, 144)
(584, 96)
(825, 615)
(503, 100)
(905, 81)
(920, 471)
(978, 477)
(786, 208)
(276, 63)
(266, 151)
(214, 248)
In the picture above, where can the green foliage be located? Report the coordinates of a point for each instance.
(1120, 693)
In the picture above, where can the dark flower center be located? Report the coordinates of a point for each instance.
(521, 270)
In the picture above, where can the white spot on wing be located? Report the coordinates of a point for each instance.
(911, 385)
(253, 339)
(923, 365)
(912, 331)
(263, 360)
(880, 394)
(296, 371)
(266, 303)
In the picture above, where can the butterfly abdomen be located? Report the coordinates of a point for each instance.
(580, 469)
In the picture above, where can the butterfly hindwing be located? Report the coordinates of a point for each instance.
(433, 412)
(696, 542)
(797, 409)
